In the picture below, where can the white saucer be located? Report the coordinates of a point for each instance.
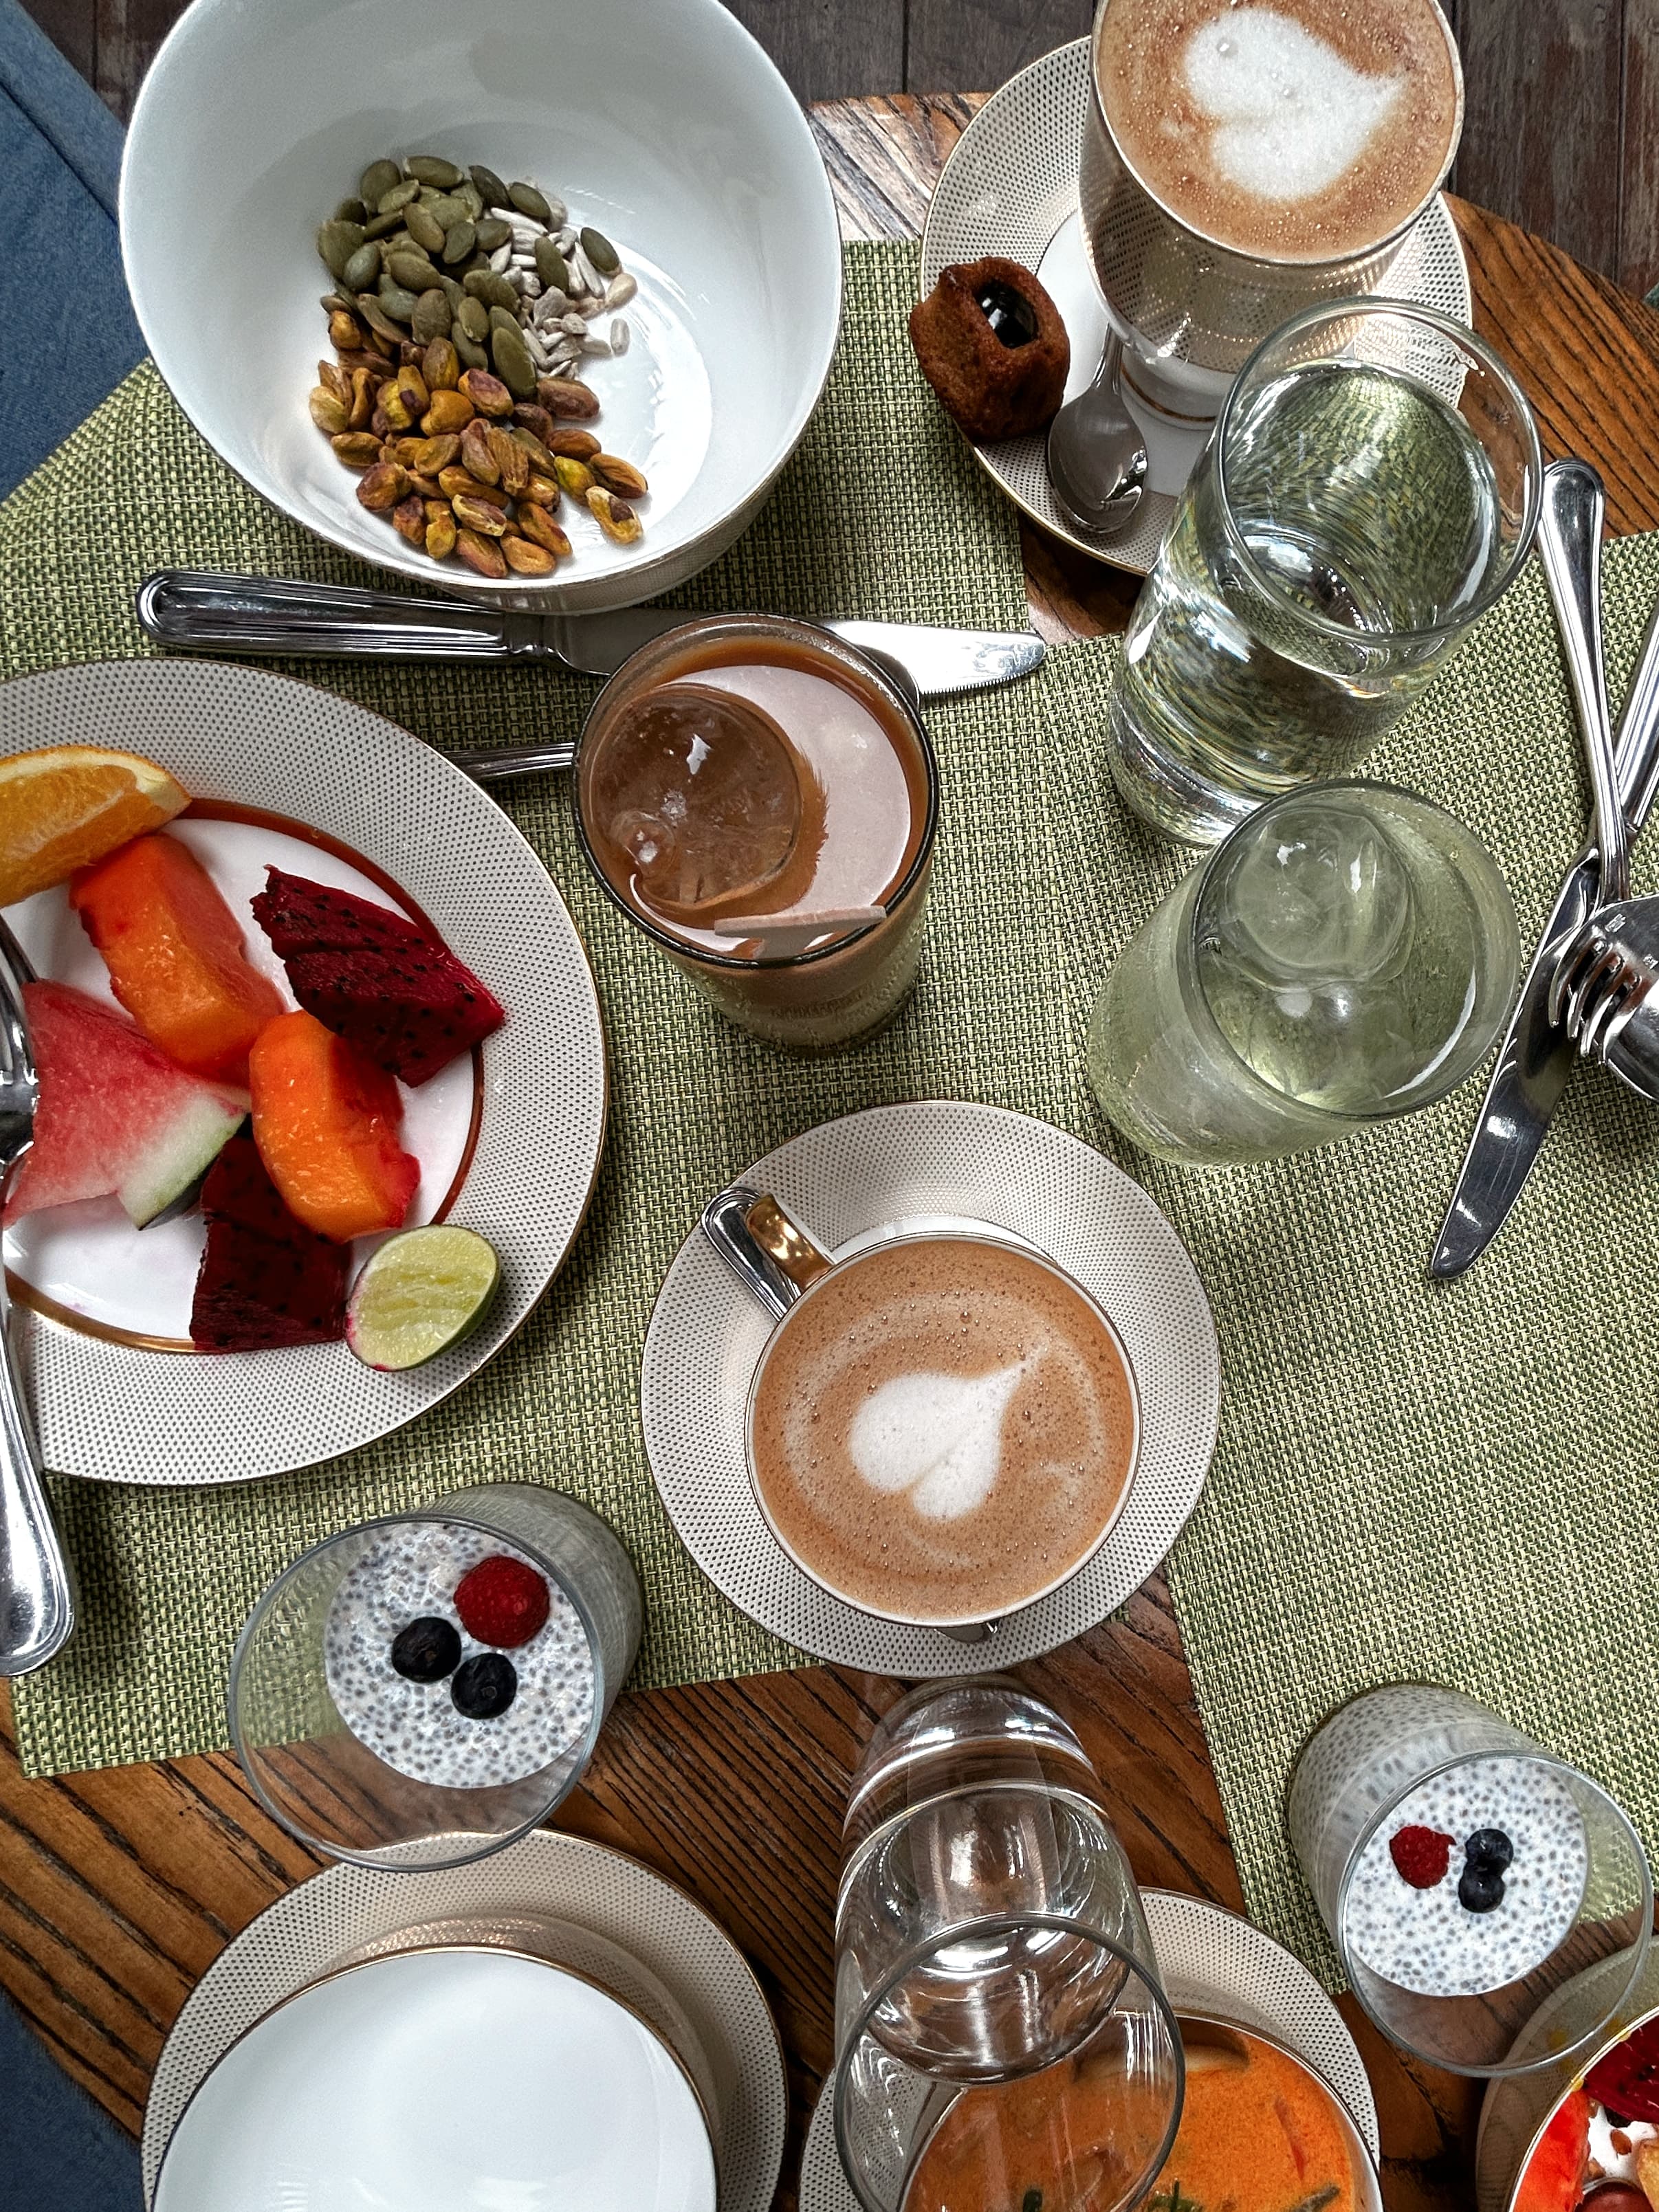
(1211, 1962)
(941, 1160)
(348, 1913)
(1011, 187)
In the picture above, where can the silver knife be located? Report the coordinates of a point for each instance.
(206, 612)
(1537, 1058)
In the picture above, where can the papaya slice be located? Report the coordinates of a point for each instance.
(174, 952)
(326, 1120)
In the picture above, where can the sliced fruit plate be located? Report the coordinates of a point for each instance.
(303, 986)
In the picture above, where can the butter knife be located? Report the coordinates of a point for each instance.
(1537, 1057)
(203, 612)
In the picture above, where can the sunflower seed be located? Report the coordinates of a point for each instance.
(620, 335)
(500, 260)
(592, 280)
(531, 285)
(593, 344)
(573, 325)
(537, 352)
(621, 289)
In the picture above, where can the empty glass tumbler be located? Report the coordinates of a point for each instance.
(1370, 487)
(1348, 955)
(991, 1946)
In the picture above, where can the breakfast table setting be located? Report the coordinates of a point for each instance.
(431, 1633)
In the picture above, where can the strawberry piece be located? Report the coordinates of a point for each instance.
(266, 1279)
(326, 1122)
(1626, 2081)
(1420, 1855)
(400, 995)
(502, 1602)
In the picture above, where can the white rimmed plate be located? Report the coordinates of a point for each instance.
(117, 1410)
(938, 1161)
(455, 2080)
(329, 1920)
(1011, 187)
(666, 127)
(1212, 1963)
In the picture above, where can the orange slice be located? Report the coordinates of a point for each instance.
(72, 804)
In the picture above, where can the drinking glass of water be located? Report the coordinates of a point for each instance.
(1371, 488)
(1349, 954)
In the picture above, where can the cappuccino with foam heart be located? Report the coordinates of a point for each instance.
(942, 1429)
(1290, 130)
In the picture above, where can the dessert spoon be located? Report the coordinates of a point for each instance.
(1096, 456)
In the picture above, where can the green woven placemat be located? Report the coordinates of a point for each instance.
(881, 514)
(1419, 1480)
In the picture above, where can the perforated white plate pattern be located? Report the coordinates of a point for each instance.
(1211, 1962)
(1011, 186)
(943, 1159)
(316, 1927)
(130, 1415)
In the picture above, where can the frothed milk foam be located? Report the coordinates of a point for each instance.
(943, 1428)
(1300, 130)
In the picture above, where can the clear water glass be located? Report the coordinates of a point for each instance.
(1348, 955)
(327, 1787)
(1370, 487)
(1351, 1783)
(988, 1926)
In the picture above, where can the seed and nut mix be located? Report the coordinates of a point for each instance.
(462, 308)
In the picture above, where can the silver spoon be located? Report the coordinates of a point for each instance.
(1097, 457)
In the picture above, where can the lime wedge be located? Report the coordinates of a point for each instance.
(421, 1293)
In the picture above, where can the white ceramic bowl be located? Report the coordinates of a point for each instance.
(444, 2081)
(661, 122)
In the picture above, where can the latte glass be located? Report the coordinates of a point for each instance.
(1190, 310)
(1370, 489)
(846, 986)
(779, 1263)
(1348, 956)
(1451, 1979)
(989, 1927)
(324, 1782)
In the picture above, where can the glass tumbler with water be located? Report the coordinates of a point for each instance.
(989, 1934)
(1371, 488)
(1348, 955)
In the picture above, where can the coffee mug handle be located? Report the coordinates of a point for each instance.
(772, 1256)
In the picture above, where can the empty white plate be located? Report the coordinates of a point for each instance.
(445, 2081)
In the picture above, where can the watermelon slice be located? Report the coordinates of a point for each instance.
(114, 1113)
(396, 992)
(266, 1279)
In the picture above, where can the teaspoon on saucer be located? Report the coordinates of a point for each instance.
(1096, 456)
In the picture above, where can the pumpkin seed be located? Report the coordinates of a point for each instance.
(373, 312)
(397, 301)
(399, 197)
(412, 270)
(351, 212)
(451, 291)
(446, 210)
(500, 319)
(489, 186)
(551, 264)
(336, 242)
(467, 349)
(471, 198)
(378, 178)
(430, 169)
(473, 317)
(425, 230)
(459, 242)
(601, 252)
(493, 232)
(492, 289)
(528, 201)
(382, 226)
(512, 363)
(361, 270)
(431, 319)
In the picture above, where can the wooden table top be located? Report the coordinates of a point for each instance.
(118, 1888)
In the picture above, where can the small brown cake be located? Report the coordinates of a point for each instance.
(991, 343)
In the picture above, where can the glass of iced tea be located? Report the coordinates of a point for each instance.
(988, 1931)
(761, 798)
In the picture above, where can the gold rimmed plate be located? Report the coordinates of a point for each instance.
(508, 1140)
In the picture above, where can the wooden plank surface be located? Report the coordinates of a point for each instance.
(117, 1889)
(1563, 132)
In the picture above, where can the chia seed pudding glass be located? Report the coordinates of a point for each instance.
(422, 1690)
(1465, 1874)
